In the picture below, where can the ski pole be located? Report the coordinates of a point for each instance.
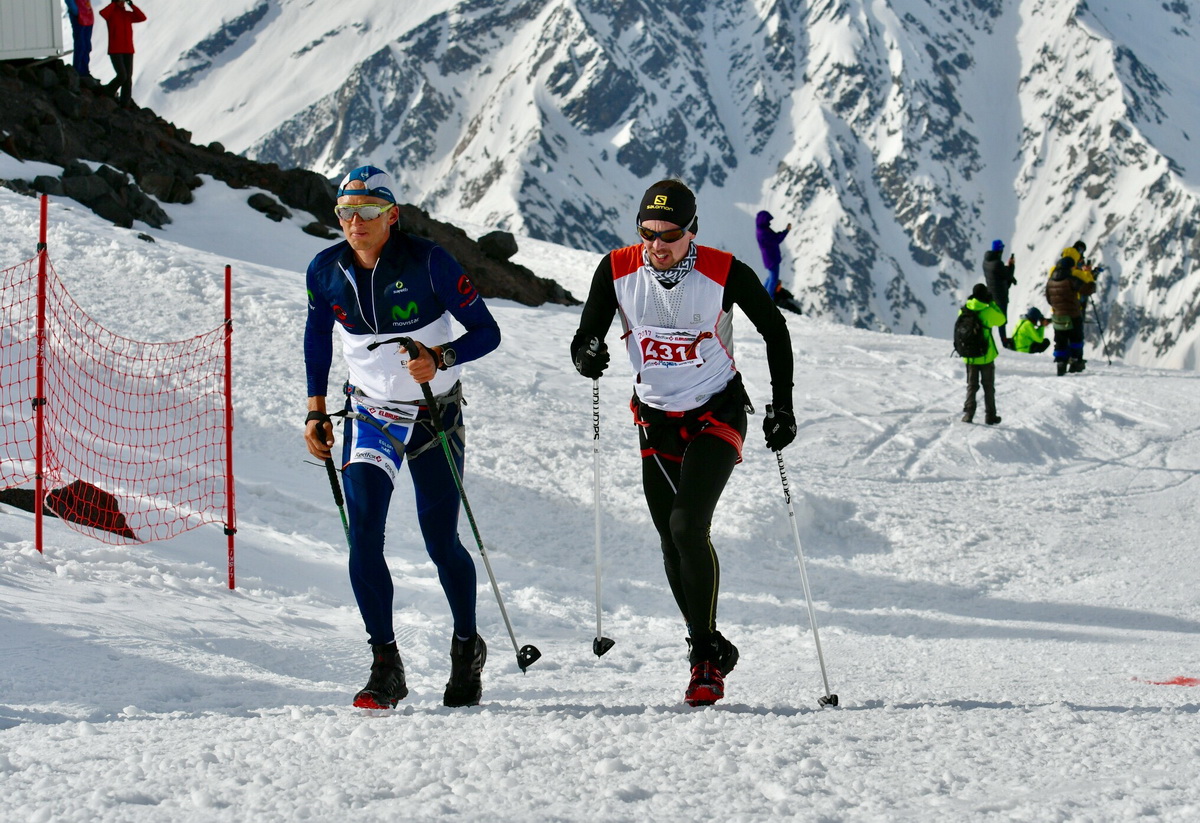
(331, 470)
(829, 699)
(1103, 333)
(526, 655)
(334, 485)
(600, 644)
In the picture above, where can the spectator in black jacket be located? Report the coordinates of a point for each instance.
(999, 277)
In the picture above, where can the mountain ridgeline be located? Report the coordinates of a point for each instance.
(899, 138)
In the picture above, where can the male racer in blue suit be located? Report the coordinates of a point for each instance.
(376, 284)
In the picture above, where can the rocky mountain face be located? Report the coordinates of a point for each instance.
(48, 115)
(898, 137)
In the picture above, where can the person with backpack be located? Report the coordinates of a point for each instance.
(974, 343)
(999, 278)
(1066, 291)
(1030, 336)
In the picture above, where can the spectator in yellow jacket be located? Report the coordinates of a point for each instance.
(1030, 336)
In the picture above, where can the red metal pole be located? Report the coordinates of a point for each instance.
(230, 524)
(39, 400)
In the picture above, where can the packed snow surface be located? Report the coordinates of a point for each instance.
(1008, 614)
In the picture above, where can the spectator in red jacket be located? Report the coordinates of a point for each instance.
(120, 15)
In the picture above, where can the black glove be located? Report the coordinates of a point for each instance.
(590, 356)
(779, 427)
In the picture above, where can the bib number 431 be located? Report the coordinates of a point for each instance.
(669, 348)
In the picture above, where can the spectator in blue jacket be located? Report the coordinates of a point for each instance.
(82, 21)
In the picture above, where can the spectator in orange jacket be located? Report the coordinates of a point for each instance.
(120, 15)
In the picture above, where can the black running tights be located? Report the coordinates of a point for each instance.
(682, 498)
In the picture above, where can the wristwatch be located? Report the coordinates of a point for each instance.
(448, 357)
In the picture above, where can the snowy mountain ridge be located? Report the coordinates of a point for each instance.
(899, 138)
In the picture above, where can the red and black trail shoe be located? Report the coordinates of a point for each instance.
(707, 685)
(711, 661)
(386, 686)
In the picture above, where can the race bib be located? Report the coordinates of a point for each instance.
(395, 422)
(669, 348)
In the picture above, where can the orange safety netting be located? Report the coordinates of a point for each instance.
(134, 434)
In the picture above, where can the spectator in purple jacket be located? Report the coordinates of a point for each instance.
(769, 242)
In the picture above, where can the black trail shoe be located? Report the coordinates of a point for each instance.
(386, 686)
(465, 687)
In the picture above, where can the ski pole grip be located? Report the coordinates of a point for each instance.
(410, 346)
(413, 348)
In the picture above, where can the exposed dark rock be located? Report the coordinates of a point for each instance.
(503, 279)
(48, 185)
(78, 502)
(47, 115)
(498, 245)
(320, 230)
(269, 206)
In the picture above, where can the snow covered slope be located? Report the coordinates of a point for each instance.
(996, 604)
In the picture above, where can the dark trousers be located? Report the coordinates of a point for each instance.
(123, 83)
(1002, 303)
(368, 496)
(985, 375)
(684, 473)
(1068, 343)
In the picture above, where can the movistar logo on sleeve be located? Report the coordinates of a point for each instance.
(405, 312)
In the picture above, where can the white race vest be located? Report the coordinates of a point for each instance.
(679, 340)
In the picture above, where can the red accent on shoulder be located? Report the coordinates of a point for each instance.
(714, 264)
(625, 261)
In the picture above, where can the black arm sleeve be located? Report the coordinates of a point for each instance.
(599, 308)
(743, 289)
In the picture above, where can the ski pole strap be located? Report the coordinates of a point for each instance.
(321, 417)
